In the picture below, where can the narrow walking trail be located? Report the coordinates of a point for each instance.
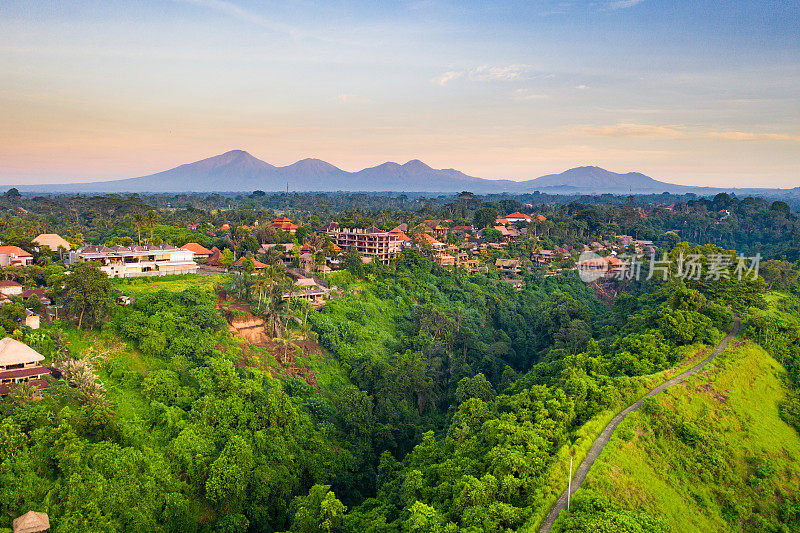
(601, 441)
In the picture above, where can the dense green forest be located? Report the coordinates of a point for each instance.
(420, 398)
(748, 225)
(449, 402)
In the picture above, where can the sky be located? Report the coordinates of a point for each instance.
(691, 92)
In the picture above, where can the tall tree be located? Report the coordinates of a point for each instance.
(151, 218)
(87, 290)
(485, 217)
(138, 221)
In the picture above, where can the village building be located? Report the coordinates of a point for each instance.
(32, 320)
(437, 228)
(425, 238)
(402, 228)
(644, 246)
(10, 288)
(462, 229)
(467, 262)
(444, 260)
(138, 261)
(509, 233)
(513, 218)
(603, 267)
(405, 240)
(544, 256)
(215, 259)
(38, 293)
(507, 266)
(309, 290)
(14, 256)
(199, 251)
(53, 241)
(284, 224)
(19, 363)
(307, 261)
(372, 242)
(257, 265)
(624, 240)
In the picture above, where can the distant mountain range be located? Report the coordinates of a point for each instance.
(238, 171)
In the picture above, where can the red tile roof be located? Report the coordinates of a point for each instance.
(257, 264)
(400, 235)
(196, 248)
(283, 223)
(14, 250)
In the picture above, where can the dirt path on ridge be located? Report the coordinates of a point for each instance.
(600, 443)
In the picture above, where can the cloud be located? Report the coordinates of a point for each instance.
(447, 77)
(582, 86)
(631, 130)
(526, 94)
(487, 73)
(750, 136)
(483, 73)
(623, 4)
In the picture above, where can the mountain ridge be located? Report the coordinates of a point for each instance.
(240, 171)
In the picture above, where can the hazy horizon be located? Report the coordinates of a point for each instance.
(684, 92)
(353, 170)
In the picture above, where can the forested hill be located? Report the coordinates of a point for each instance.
(443, 402)
(717, 455)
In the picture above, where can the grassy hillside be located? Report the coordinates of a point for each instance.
(714, 455)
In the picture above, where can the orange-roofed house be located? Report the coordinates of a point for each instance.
(14, 256)
(541, 218)
(428, 239)
(284, 224)
(198, 250)
(404, 239)
(257, 265)
(503, 221)
(518, 217)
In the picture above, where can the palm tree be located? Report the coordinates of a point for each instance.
(138, 221)
(151, 218)
(236, 235)
(289, 338)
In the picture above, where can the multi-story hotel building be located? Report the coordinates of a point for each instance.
(382, 245)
